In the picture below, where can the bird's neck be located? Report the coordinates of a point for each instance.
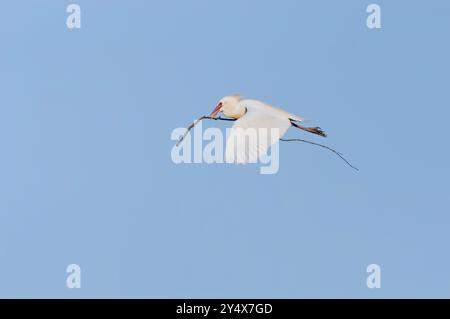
(237, 111)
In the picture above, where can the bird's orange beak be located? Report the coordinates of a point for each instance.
(216, 110)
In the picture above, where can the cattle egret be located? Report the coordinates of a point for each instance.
(254, 114)
(259, 116)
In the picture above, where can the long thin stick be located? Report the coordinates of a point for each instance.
(204, 117)
(321, 145)
(190, 127)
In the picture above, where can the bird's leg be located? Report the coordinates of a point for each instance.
(314, 130)
(190, 127)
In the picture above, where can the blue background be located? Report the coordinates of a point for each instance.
(86, 175)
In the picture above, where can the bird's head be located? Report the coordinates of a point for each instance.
(227, 105)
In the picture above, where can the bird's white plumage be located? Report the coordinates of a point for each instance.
(256, 131)
(269, 109)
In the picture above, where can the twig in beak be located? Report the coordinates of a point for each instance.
(204, 117)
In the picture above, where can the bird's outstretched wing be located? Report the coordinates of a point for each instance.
(253, 134)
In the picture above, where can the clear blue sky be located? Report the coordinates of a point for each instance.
(86, 175)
